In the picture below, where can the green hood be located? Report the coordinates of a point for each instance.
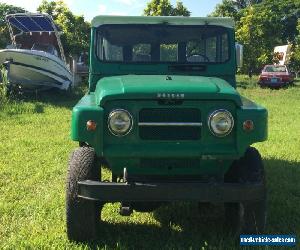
(150, 86)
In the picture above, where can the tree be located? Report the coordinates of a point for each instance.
(242, 4)
(76, 32)
(165, 8)
(264, 26)
(260, 26)
(6, 9)
(226, 9)
(232, 8)
(180, 10)
(295, 55)
(248, 34)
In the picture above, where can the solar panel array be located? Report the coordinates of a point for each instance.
(31, 23)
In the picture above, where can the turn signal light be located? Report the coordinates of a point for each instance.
(248, 125)
(91, 125)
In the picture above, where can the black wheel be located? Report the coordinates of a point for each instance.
(82, 215)
(247, 217)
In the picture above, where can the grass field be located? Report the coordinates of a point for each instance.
(34, 150)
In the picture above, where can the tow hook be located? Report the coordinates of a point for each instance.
(125, 209)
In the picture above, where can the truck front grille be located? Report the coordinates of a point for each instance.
(170, 124)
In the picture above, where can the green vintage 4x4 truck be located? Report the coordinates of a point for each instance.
(163, 114)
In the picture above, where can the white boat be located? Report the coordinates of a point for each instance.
(35, 59)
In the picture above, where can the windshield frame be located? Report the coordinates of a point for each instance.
(224, 29)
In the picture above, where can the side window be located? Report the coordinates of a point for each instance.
(111, 52)
(141, 52)
(211, 49)
(169, 52)
(100, 48)
(225, 46)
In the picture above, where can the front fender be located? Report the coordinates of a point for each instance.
(259, 115)
(85, 110)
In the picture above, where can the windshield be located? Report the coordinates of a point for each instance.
(272, 68)
(162, 43)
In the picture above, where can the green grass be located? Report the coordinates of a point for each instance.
(35, 146)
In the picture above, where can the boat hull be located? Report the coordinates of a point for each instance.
(36, 69)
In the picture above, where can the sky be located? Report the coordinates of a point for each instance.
(91, 8)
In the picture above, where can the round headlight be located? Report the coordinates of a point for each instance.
(119, 122)
(220, 122)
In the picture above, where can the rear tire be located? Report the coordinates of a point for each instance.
(82, 216)
(247, 217)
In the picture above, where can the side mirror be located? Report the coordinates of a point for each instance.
(239, 49)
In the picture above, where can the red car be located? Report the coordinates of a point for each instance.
(275, 76)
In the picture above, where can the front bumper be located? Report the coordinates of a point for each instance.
(175, 191)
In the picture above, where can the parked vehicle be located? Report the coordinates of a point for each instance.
(35, 59)
(163, 113)
(275, 76)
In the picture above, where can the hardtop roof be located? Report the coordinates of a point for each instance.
(173, 20)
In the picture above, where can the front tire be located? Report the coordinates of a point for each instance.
(247, 217)
(82, 216)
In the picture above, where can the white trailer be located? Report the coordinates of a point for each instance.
(283, 52)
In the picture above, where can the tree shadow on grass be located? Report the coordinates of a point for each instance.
(283, 196)
(247, 84)
(183, 229)
(57, 98)
(181, 225)
(53, 97)
(31, 103)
